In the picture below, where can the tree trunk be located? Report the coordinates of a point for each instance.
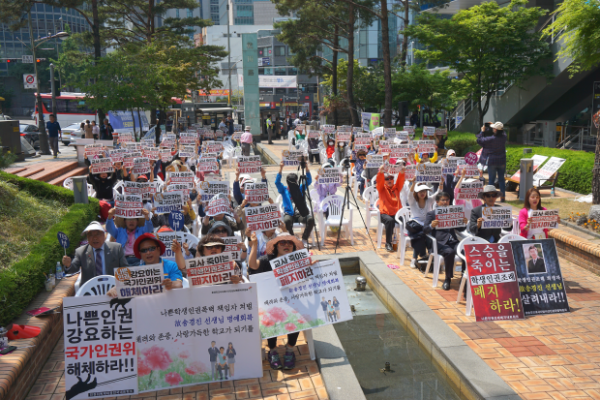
(404, 37)
(350, 74)
(334, 73)
(387, 65)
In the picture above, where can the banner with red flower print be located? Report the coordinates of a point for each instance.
(320, 300)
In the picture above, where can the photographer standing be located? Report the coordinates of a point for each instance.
(293, 195)
(494, 153)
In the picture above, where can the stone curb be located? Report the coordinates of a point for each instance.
(266, 153)
(465, 371)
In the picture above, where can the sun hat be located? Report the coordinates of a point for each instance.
(147, 236)
(488, 189)
(93, 226)
(497, 125)
(247, 180)
(271, 244)
(450, 151)
(420, 187)
(247, 129)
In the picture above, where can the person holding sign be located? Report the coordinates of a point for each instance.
(211, 245)
(420, 203)
(533, 201)
(102, 184)
(489, 196)
(241, 180)
(424, 158)
(469, 204)
(324, 190)
(126, 231)
(389, 202)
(447, 241)
(294, 192)
(230, 218)
(280, 246)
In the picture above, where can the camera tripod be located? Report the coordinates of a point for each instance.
(346, 203)
(308, 199)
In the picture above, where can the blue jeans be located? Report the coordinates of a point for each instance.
(499, 170)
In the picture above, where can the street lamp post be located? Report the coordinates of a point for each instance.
(228, 55)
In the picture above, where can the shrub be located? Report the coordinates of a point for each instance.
(21, 282)
(575, 174)
(462, 142)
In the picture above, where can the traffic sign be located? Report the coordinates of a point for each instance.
(29, 81)
(27, 59)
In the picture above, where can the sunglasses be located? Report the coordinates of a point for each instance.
(389, 178)
(286, 242)
(219, 231)
(147, 249)
(493, 195)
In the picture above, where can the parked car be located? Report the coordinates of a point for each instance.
(31, 133)
(71, 133)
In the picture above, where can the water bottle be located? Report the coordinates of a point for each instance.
(59, 271)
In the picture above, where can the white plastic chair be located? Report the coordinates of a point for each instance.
(185, 283)
(68, 183)
(401, 217)
(117, 186)
(334, 204)
(510, 237)
(98, 285)
(191, 239)
(465, 278)
(371, 196)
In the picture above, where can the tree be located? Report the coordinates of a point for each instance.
(367, 84)
(492, 47)
(577, 24)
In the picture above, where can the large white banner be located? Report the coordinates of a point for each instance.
(277, 81)
(319, 301)
(549, 169)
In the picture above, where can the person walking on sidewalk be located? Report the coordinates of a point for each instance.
(246, 140)
(53, 128)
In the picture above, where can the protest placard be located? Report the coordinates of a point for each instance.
(410, 172)
(319, 301)
(313, 134)
(153, 153)
(374, 160)
(129, 158)
(211, 270)
(212, 146)
(167, 238)
(208, 134)
(393, 168)
(207, 165)
(345, 128)
(165, 155)
(544, 219)
(410, 129)
(292, 268)
(548, 170)
(208, 189)
(384, 146)
(147, 143)
(185, 154)
(292, 157)
(256, 192)
(237, 127)
(441, 131)
(262, 218)
(116, 155)
(184, 333)
(493, 282)
(425, 146)
(469, 190)
(428, 131)
(128, 206)
(188, 138)
(470, 170)
(343, 137)
(219, 134)
(540, 277)
(449, 164)
(185, 188)
(389, 133)
(139, 281)
(180, 177)
(169, 140)
(429, 172)
(537, 161)
(471, 158)
(357, 129)
(330, 175)
(328, 129)
(231, 246)
(132, 146)
(126, 137)
(91, 150)
(402, 135)
(141, 165)
(218, 205)
(168, 201)
(144, 189)
(101, 166)
(249, 164)
(496, 217)
(362, 139)
(237, 136)
(406, 151)
(450, 217)
(100, 360)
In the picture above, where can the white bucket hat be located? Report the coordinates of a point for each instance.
(498, 125)
(93, 226)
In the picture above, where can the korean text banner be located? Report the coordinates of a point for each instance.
(319, 301)
(100, 347)
(124, 119)
(540, 279)
(189, 337)
(493, 282)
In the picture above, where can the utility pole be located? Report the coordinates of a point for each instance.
(228, 55)
(53, 88)
(44, 146)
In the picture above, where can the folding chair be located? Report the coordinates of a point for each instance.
(465, 278)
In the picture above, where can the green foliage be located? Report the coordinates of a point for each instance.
(577, 25)
(6, 158)
(462, 142)
(367, 84)
(22, 281)
(575, 174)
(490, 46)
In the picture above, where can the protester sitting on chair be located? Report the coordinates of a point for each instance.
(420, 203)
(294, 203)
(264, 237)
(232, 219)
(489, 196)
(283, 244)
(314, 155)
(97, 257)
(424, 158)
(324, 190)
(469, 204)
(210, 245)
(360, 160)
(126, 231)
(389, 202)
(533, 201)
(241, 180)
(446, 238)
(330, 150)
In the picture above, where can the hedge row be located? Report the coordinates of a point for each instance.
(20, 283)
(575, 174)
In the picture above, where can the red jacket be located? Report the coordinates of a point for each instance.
(330, 150)
(389, 197)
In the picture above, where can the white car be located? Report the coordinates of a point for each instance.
(71, 133)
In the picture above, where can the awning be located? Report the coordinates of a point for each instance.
(216, 109)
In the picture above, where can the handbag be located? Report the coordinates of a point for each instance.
(413, 227)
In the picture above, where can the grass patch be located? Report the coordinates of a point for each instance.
(565, 206)
(24, 220)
